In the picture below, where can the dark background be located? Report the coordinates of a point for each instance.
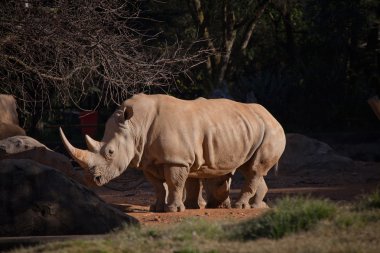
(312, 63)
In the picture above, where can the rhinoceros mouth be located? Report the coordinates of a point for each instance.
(100, 180)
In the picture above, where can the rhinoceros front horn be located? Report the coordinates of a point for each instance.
(80, 156)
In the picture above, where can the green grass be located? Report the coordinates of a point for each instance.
(290, 215)
(294, 225)
(370, 201)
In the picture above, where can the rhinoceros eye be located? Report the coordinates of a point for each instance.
(109, 153)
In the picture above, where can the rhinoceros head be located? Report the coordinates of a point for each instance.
(108, 158)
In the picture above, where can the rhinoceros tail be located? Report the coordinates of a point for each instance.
(275, 167)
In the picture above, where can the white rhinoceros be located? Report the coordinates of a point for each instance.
(172, 140)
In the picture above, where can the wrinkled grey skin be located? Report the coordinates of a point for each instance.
(172, 140)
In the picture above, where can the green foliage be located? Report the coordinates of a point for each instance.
(194, 228)
(370, 201)
(290, 215)
(348, 219)
(192, 250)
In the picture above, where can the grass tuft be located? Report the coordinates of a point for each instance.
(370, 201)
(195, 228)
(290, 215)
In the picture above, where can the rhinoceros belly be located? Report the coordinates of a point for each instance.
(225, 148)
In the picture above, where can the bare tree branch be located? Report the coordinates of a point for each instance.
(65, 51)
(252, 24)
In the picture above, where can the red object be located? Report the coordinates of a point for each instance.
(89, 122)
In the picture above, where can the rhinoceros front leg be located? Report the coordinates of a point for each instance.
(160, 189)
(193, 194)
(175, 178)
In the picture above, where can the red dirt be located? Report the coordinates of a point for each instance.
(137, 203)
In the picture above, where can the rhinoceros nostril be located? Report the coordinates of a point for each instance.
(98, 180)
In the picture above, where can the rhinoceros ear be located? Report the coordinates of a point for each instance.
(128, 113)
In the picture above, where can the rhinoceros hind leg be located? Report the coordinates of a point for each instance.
(253, 172)
(218, 190)
(251, 183)
(201, 201)
(262, 204)
(193, 194)
(175, 178)
(262, 189)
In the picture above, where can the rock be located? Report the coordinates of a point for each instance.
(25, 147)
(38, 200)
(303, 151)
(307, 161)
(365, 151)
(17, 144)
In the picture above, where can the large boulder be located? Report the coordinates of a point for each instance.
(38, 200)
(17, 144)
(307, 161)
(301, 151)
(25, 147)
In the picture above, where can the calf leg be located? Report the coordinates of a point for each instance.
(175, 178)
(193, 194)
(160, 189)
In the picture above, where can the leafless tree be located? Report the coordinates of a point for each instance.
(61, 51)
(227, 27)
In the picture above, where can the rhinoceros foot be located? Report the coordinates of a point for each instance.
(261, 204)
(175, 208)
(242, 205)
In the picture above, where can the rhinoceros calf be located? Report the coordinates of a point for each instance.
(172, 140)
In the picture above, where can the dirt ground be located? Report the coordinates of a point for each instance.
(343, 171)
(136, 203)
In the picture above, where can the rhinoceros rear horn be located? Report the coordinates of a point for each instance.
(92, 144)
(80, 156)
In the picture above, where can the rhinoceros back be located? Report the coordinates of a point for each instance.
(211, 137)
